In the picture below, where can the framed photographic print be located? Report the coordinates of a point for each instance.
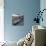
(17, 20)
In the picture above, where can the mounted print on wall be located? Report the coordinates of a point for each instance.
(17, 20)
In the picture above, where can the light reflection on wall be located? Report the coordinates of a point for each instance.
(1, 21)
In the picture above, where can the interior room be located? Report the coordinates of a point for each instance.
(22, 23)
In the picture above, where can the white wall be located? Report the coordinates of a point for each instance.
(1, 20)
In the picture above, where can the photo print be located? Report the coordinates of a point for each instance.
(17, 20)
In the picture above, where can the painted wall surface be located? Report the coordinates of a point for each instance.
(43, 6)
(24, 7)
(1, 20)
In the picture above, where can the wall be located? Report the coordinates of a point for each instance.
(1, 20)
(25, 7)
(43, 6)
